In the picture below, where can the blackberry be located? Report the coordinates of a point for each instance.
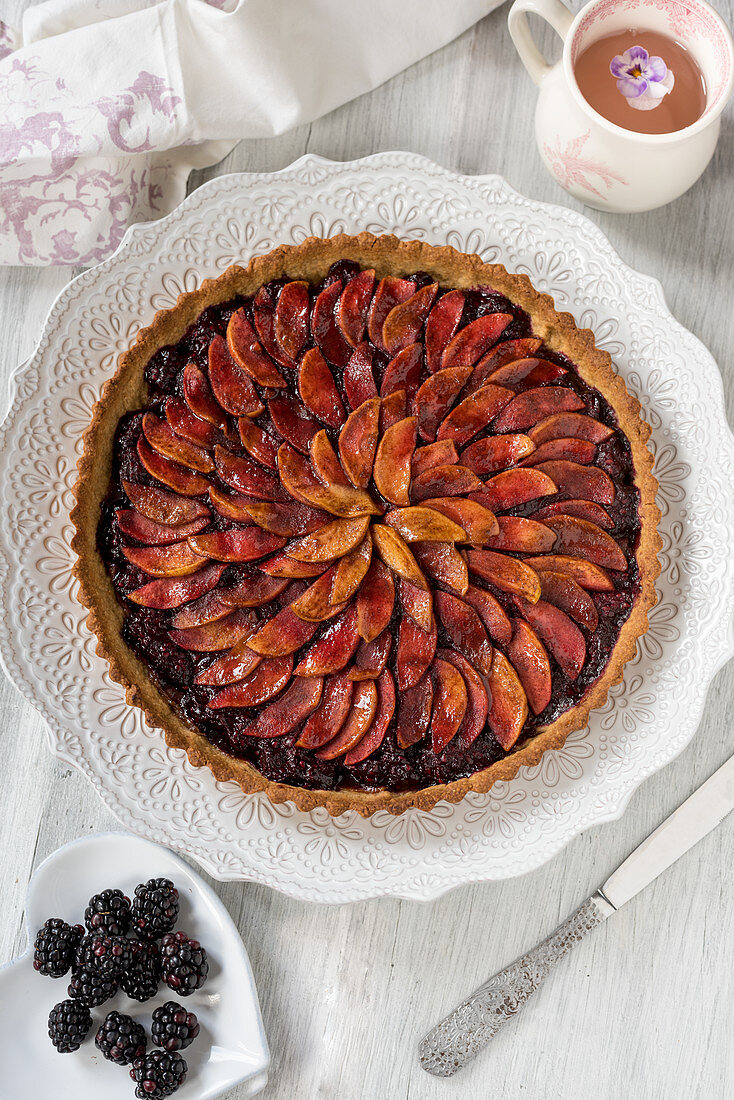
(91, 988)
(173, 1027)
(55, 948)
(108, 912)
(120, 1038)
(68, 1025)
(158, 1075)
(155, 908)
(104, 954)
(141, 979)
(184, 965)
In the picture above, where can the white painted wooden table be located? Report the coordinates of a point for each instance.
(644, 1008)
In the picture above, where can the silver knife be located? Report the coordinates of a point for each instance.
(465, 1031)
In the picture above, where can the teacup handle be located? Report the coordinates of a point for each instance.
(555, 13)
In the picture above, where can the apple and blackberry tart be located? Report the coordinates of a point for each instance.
(366, 524)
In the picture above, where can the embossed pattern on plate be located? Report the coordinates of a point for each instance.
(650, 717)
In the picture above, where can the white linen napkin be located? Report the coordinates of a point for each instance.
(107, 105)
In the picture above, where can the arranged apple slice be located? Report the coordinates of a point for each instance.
(522, 536)
(576, 425)
(417, 604)
(253, 591)
(509, 705)
(351, 571)
(359, 381)
(391, 470)
(567, 594)
(324, 460)
(441, 325)
(513, 487)
(231, 384)
(575, 450)
(375, 601)
(177, 559)
(578, 538)
(584, 509)
(286, 519)
(443, 453)
(174, 591)
(491, 613)
(334, 649)
(478, 523)
(358, 442)
(497, 452)
(465, 629)
(375, 735)
(300, 481)
(573, 480)
(241, 473)
(526, 373)
(139, 527)
(403, 372)
(291, 318)
(232, 505)
(529, 407)
(333, 540)
(450, 700)
(354, 306)
(585, 573)
(284, 633)
(443, 481)
(207, 609)
(477, 703)
(190, 427)
(318, 390)
(556, 630)
(262, 446)
(405, 321)
(200, 399)
(414, 713)
(435, 397)
(358, 721)
(506, 573)
(162, 507)
(263, 316)
(416, 523)
(325, 329)
(371, 658)
(247, 352)
(315, 604)
(472, 341)
(331, 713)
(505, 352)
(266, 681)
(290, 708)
(390, 292)
(415, 652)
(530, 661)
(293, 421)
(212, 637)
(396, 555)
(444, 563)
(233, 545)
(474, 413)
(176, 477)
(280, 565)
(235, 665)
(394, 407)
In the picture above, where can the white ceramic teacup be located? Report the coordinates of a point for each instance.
(602, 164)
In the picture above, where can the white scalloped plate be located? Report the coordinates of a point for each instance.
(49, 653)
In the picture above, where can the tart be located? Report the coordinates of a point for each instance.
(366, 524)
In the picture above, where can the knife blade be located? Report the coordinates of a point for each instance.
(698, 815)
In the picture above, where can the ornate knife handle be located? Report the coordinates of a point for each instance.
(461, 1035)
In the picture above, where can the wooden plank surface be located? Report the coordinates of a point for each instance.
(644, 1007)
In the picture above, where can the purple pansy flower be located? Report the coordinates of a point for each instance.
(643, 80)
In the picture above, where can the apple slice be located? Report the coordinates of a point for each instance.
(375, 735)
(392, 409)
(441, 325)
(325, 329)
(465, 629)
(235, 545)
(190, 427)
(570, 424)
(435, 397)
(477, 703)
(491, 613)
(207, 609)
(259, 444)
(164, 440)
(354, 306)
(253, 590)
(334, 649)
(351, 571)
(496, 452)
(506, 573)
(293, 421)
(358, 721)
(162, 507)
(575, 450)
(235, 665)
(315, 604)
(417, 604)
(529, 407)
(403, 372)
(231, 384)
(263, 318)
(390, 292)
(174, 591)
(395, 553)
(139, 527)
(441, 481)
(443, 453)
(478, 522)
(371, 657)
(427, 524)
(286, 519)
(585, 573)
(414, 713)
(324, 460)
(241, 473)
(284, 633)
(291, 708)
(358, 442)
(405, 321)
(567, 594)
(450, 700)
(375, 601)
(578, 538)
(472, 341)
(247, 352)
(505, 352)
(513, 487)
(333, 540)
(391, 469)
(212, 637)
(573, 480)
(530, 661)
(266, 681)
(522, 536)
(298, 478)
(331, 713)
(523, 374)
(509, 705)
(444, 563)
(200, 399)
(415, 652)
(556, 630)
(583, 509)
(179, 478)
(359, 381)
(291, 318)
(318, 390)
(280, 565)
(177, 559)
(473, 414)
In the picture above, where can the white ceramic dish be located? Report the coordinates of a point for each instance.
(231, 1047)
(49, 653)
